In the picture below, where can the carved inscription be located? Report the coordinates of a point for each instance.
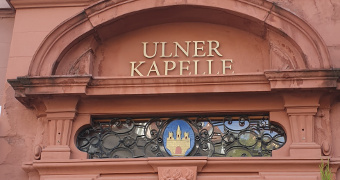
(204, 54)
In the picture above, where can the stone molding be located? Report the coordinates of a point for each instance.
(90, 20)
(19, 4)
(116, 168)
(29, 88)
(303, 79)
(7, 13)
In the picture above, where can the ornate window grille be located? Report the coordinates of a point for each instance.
(223, 136)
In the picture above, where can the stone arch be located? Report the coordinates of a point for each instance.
(256, 17)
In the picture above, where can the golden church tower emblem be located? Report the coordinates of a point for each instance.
(179, 144)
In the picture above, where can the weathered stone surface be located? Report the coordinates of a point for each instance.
(70, 60)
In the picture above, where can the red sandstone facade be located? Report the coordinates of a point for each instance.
(70, 60)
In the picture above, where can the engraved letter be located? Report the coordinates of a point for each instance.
(224, 66)
(177, 45)
(153, 68)
(145, 54)
(215, 48)
(135, 69)
(166, 69)
(209, 65)
(181, 68)
(163, 50)
(198, 48)
(196, 64)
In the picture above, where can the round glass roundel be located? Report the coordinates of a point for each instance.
(247, 138)
(178, 138)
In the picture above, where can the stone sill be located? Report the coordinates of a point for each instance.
(151, 165)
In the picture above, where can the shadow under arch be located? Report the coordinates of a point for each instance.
(105, 19)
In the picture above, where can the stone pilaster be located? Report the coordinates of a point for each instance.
(61, 112)
(301, 111)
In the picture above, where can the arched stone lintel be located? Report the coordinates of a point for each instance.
(305, 36)
(73, 30)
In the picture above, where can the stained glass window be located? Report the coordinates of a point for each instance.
(213, 136)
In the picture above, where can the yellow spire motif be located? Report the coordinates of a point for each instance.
(180, 145)
(179, 133)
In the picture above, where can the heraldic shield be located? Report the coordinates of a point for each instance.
(178, 138)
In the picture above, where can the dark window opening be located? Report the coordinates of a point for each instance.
(220, 136)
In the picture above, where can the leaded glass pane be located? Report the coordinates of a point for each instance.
(222, 136)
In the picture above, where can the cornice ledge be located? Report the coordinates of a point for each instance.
(42, 85)
(303, 79)
(178, 84)
(7, 13)
(19, 4)
(27, 89)
(68, 85)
